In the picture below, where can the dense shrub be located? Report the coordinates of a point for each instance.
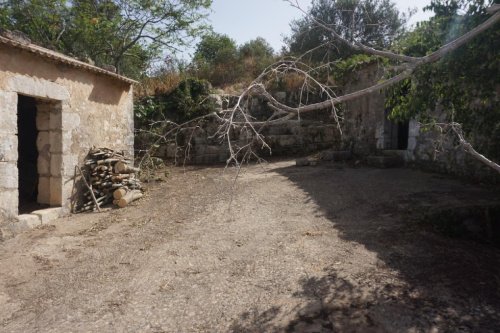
(188, 100)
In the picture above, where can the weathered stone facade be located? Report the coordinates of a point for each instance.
(77, 106)
(368, 131)
(291, 138)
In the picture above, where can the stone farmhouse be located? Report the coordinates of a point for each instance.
(53, 108)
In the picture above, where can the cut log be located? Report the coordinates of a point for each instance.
(129, 197)
(122, 167)
(119, 193)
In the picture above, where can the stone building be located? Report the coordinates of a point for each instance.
(369, 132)
(53, 108)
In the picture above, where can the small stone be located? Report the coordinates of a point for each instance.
(302, 162)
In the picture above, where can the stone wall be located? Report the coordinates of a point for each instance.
(312, 133)
(76, 109)
(289, 139)
(366, 131)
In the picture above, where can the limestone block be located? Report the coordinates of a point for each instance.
(8, 175)
(56, 189)
(42, 141)
(379, 131)
(56, 163)
(171, 150)
(42, 120)
(223, 155)
(213, 150)
(412, 143)
(56, 142)
(49, 214)
(37, 87)
(69, 161)
(43, 165)
(8, 203)
(302, 161)
(8, 112)
(55, 123)
(287, 140)
(27, 221)
(70, 121)
(200, 139)
(8, 147)
(44, 190)
(413, 128)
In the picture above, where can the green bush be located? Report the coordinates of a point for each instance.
(189, 100)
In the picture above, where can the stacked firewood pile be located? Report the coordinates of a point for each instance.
(110, 178)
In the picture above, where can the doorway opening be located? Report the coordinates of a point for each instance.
(396, 133)
(27, 154)
(39, 178)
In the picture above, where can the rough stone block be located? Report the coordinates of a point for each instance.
(412, 143)
(56, 165)
(28, 221)
(37, 87)
(55, 119)
(42, 120)
(171, 150)
(8, 175)
(49, 214)
(413, 128)
(43, 165)
(56, 189)
(287, 140)
(9, 201)
(8, 112)
(44, 190)
(42, 141)
(302, 161)
(8, 147)
(69, 121)
(56, 142)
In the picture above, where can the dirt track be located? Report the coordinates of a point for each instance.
(314, 249)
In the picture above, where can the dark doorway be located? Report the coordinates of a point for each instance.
(28, 154)
(395, 133)
(403, 128)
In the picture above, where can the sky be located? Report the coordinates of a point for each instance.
(244, 20)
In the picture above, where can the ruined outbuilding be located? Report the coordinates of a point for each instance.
(53, 108)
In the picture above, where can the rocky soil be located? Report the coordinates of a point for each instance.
(329, 248)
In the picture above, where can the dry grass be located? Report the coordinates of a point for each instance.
(163, 84)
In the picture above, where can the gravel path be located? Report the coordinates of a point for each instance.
(287, 249)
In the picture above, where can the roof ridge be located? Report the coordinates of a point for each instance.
(62, 58)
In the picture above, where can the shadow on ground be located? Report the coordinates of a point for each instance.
(423, 281)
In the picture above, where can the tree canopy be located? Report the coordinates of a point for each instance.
(129, 34)
(219, 60)
(375, 23)
(464, 83)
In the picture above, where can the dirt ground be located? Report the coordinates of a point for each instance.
(329, 248)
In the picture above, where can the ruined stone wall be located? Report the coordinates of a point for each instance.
(289, 139)
(77, 109)
(366, 132)
(313, 133)
(364, 117)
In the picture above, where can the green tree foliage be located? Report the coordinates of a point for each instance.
(216, 59)
(129, 34)
(187, 101)
(465, 83)
(255, 56)
(219, 60)
(375, 23)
